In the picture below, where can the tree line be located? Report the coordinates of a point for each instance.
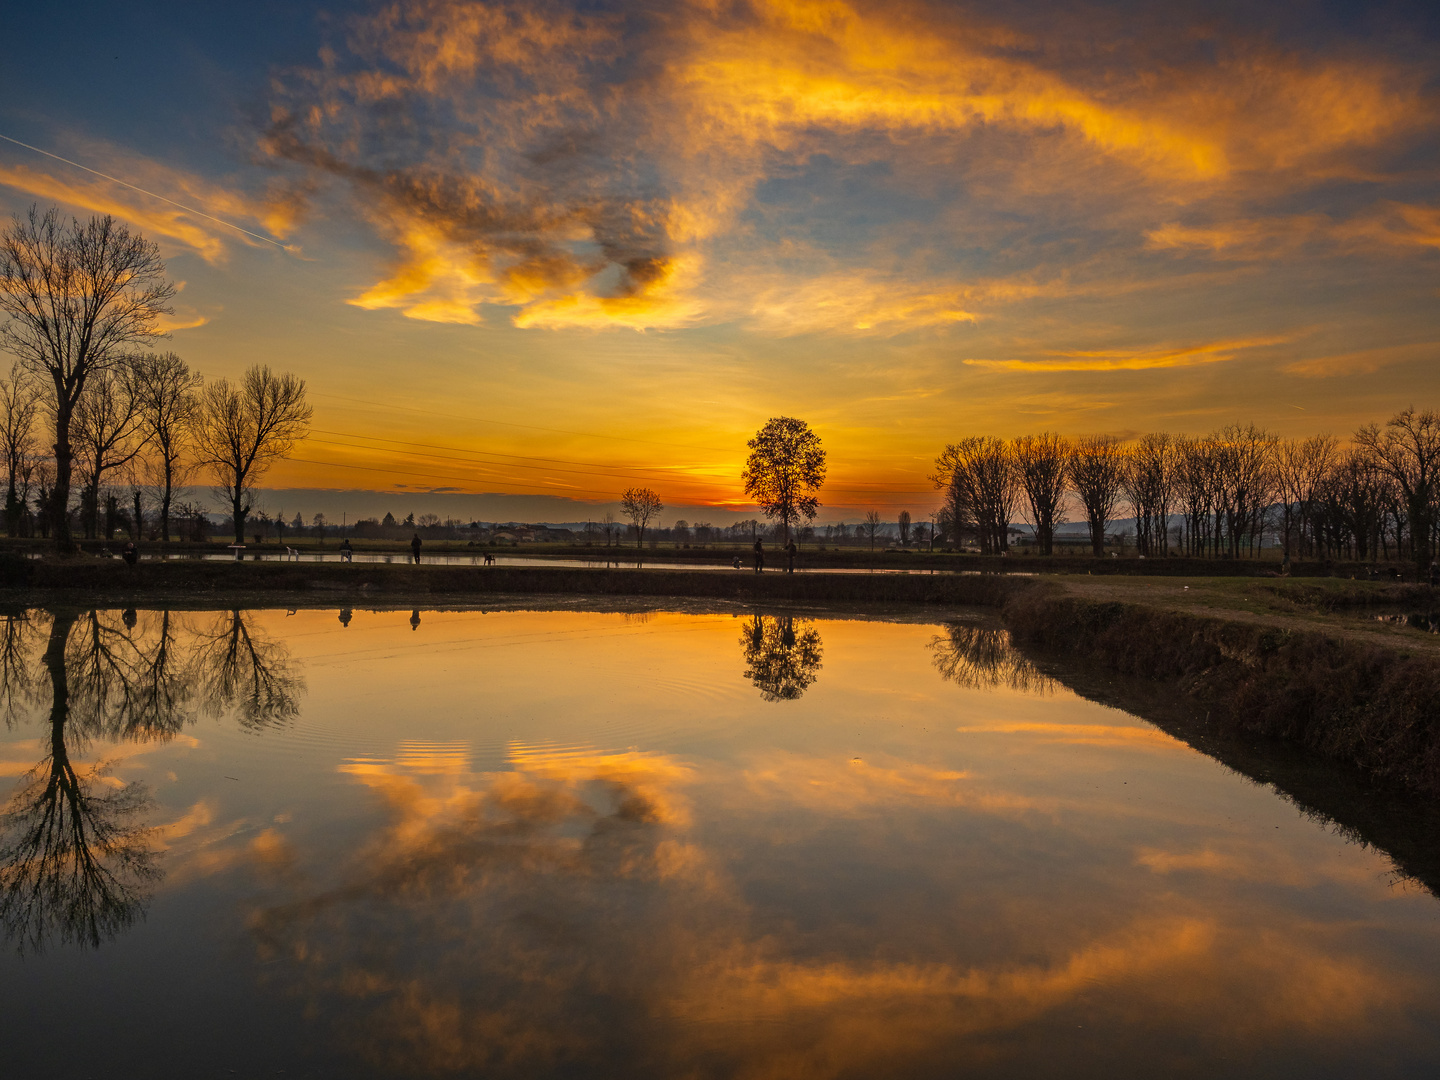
(83, 301)
(1216, 495)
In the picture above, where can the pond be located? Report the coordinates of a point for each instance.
(713, 844)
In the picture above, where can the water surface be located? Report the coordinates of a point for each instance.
(511, 843)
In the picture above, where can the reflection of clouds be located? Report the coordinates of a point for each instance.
(1117, 735)
(1235, 859)
(981, 658)
(853, 787)
(561, 913)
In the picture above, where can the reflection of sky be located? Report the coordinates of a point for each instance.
(901, 221)
(516, 841)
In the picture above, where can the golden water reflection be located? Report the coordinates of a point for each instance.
(577, 843)
(572, 909)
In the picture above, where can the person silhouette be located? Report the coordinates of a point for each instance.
(347, 553)
(759, 555)
(415, 547)
(131, 554)
(415, 619)
(790, 552)
(346, 614)
(129, 618)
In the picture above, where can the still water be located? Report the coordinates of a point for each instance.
(578, 843)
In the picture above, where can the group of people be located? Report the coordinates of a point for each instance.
(790, 550)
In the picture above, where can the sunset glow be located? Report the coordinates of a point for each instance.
(550, 251)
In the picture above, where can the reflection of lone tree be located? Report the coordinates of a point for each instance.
(980, 658)
(75, 862)
(782, 656)
(785, 470)
(640, 505)
(240, 668)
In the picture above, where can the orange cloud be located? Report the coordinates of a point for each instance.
(1211, 352)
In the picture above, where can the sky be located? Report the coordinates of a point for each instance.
(528, 255)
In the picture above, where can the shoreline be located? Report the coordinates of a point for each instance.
(1291, 662)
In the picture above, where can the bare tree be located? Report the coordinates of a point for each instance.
(1097, 468)
(978, 477)
(872, 526)
(640, 505)
(1244, 474)
(78, 298)
(244, 428)
(107, 433)
(1407, 449)
(19, 401)
(1301, 467)
(1149, 481)
(903, 524)
(1040, 464)
(168, 393)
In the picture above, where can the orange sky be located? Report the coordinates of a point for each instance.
(549, 251)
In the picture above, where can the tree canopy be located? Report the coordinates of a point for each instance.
(785, 470)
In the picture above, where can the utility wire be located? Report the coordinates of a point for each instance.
(153, 195)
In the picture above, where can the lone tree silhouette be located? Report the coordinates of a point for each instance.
(79, 298)
(640, 505)
(785, 469)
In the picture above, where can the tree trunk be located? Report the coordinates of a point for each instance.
(59, 502)
(238, 511)
(165, 504)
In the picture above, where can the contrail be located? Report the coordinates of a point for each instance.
(132, 187)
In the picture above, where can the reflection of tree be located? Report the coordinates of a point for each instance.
(75, 861)
(982, 658)
(241, 668)
(782, 655)
(75, 858)
(129, 680)
(19, 637)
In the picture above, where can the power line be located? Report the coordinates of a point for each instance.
(153, 195)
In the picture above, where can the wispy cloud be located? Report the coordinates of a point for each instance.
(582, 168)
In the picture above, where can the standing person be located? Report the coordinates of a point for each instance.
(415, 547)
(346, 551)
(790, 552)
(759, 555)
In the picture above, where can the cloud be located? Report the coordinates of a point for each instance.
(149, 196)
(1210, 352)
(574, 167)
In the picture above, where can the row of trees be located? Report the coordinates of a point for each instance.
(82, 302)
(1211, 495)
